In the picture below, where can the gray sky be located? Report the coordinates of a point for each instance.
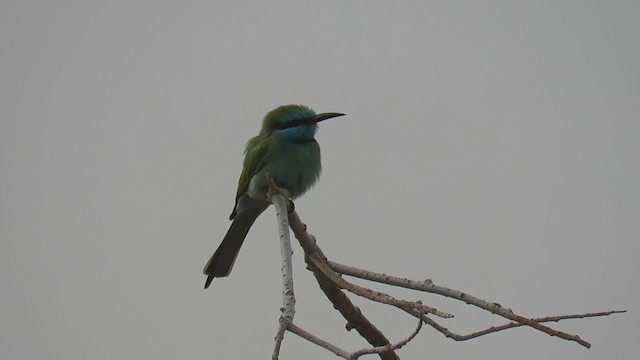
(491, 146)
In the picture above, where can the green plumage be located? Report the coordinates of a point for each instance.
(286, 149)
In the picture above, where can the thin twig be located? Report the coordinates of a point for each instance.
(430, 287)
(372, 295)
(512, 325)
(282, 327)
(316, 340)
(396, 346)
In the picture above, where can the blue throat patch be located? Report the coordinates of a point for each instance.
(300, 133)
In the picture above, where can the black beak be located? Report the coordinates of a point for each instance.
(325, 116)
(312, 120)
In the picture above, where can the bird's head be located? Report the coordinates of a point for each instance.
(294, 122)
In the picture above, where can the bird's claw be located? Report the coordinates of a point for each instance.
(291, 206)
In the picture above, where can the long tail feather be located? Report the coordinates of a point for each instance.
(221, 263)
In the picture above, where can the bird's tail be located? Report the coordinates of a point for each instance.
(222, 260)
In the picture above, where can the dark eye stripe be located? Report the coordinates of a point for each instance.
(293, 123)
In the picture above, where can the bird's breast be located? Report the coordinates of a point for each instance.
(293, 166)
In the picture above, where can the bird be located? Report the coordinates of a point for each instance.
(287, 150)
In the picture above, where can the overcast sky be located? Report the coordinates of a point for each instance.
(491, 146)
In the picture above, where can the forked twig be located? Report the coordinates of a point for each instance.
(430, 287)
(459, 337)
(398, 345)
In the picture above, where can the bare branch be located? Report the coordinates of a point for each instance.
(512, 325)
(398, 345)
(356, 320)
(329, 277)
(282, 327)
(429, 286)
(376, 296)
(315, 255)
(288, 298)
(316, 340)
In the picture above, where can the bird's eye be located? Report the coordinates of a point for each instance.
(292, 123)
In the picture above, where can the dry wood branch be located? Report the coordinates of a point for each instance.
(376, 296)
(316, 340)
(282, 327)
(429, 286)
(398, 345)
(353, 315)
(493, 329)
(319, 261)
(329, 277)
(356, 354)
(288, 310)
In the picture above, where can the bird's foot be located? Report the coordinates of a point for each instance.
(274, 189)
(291, 206)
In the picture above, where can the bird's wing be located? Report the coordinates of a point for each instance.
(255, 155)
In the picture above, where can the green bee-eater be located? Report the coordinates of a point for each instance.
(284, 148)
